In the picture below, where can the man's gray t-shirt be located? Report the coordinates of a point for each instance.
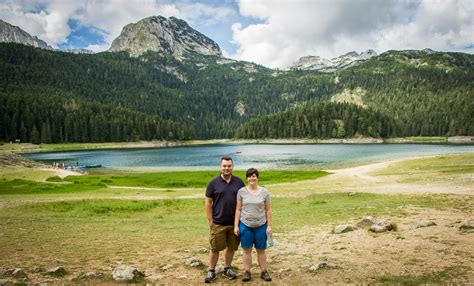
(253, 207)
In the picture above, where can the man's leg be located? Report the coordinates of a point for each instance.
(211, 273)
(228, 257)
(232, 245)
(213, 257)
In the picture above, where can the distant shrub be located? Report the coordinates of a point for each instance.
(54, 179)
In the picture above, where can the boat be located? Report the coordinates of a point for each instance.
(93, 166)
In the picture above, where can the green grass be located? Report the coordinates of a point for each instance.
(23, 187)
(25, 173)
(449, 274)
(90, 208)
(55, 179)
(81, 231)
(189, 179)
(448, 164)
(93, 183)
(435, 139)
(288, 213)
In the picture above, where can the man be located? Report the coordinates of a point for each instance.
(221, 199)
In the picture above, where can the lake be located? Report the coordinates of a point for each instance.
(246, 155)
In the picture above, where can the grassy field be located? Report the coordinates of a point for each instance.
(84, 225)
(189, 179)
(75, 231)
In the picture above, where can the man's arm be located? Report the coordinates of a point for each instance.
(208, 204)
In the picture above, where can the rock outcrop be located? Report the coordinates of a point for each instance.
(343, 228)
(171, 36)
(14, 34)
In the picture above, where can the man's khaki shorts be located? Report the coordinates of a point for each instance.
(222, 236)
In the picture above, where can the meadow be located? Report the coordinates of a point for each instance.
(85, 223)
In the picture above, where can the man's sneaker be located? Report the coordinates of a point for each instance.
(247, 276)
(229, 273)
(265, 276)
(211, 275)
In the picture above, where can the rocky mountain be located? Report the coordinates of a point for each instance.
(168, 35)
(316, 63)
(186, 89)
(14, 34)
(78, 51)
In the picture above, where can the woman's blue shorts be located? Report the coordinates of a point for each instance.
(250, 236)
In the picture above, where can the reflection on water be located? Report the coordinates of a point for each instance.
(245, 156)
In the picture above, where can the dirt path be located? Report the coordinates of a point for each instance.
(62, 173)
(364, 179)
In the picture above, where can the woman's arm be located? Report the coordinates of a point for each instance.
(268, 211)
(238, 209)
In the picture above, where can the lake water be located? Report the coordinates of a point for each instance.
(247, 155)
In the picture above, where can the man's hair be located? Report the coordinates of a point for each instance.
(227, 158)
(252, 171)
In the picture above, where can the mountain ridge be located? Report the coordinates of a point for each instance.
(400, 93)
(316, 63)
(14, 34)
(160, 34)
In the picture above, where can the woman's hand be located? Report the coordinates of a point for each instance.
(269, 230)
(236, 230)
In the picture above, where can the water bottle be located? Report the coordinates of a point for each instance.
(270, 241)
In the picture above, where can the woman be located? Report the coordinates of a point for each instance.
(253, 222)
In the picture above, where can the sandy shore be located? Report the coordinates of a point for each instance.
(369, 178)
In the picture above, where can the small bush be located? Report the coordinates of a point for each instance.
(54, 179)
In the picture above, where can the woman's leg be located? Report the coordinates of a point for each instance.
(247, 256)
(262, 259)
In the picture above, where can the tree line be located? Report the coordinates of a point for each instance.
(51, 118)
(322, 119)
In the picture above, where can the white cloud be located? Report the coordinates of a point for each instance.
(286, 30)
(291, 29)
(97, 48)
(199, 13)
(48, 19)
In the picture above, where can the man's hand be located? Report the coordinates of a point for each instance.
(236, 230)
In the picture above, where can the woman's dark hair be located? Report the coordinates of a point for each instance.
(252, 171)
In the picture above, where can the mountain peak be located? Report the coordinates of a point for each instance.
(14, 34)
(324, 65)
(168, 35)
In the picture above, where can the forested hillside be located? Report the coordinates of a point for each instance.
(321, 119)
(114, 97)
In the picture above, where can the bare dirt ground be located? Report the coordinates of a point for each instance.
(361, 257)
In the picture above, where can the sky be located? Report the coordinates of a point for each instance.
(273, 33)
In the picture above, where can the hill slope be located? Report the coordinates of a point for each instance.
(422, 93)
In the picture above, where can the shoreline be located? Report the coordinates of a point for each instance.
(59, 147)
(330, 167)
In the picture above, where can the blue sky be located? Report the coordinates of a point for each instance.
(82, 36)
(274, 33)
